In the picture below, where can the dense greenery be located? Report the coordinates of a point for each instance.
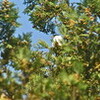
(70, 71)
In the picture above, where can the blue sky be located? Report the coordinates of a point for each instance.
(27, 26)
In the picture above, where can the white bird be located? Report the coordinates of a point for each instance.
(57, 40)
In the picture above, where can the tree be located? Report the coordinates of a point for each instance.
(63, 72)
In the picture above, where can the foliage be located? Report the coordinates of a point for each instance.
(70, 71)
(8, 17)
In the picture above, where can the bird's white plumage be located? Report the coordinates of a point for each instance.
(58, 40)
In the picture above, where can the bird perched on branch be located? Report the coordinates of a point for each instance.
(57, 44)
(57, 40)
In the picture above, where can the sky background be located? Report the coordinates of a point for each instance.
(27, 26)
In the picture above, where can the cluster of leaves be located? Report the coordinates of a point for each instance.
(8, 17)
(93, 5)
(67, 72)
(43, 14)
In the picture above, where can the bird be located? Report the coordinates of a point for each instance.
(57, 40)
(57, 44)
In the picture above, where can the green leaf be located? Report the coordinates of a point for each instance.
(62, 29)
(43, 44)
(86, 35)
(78, 66)
(9, 46)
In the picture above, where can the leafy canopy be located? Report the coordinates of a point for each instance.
(70, 71)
